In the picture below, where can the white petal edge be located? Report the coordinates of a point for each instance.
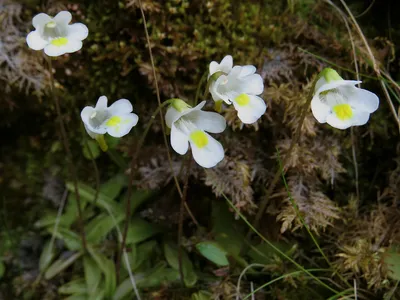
(208, 121)
(86, 113)
(92, 134)
(250, 113)
(127, 122)
(247, 70)
(251, 84)
(35, 41)
(171, 116)
(101, 103)
(121, 106)
(78, 31)
(335, 84)
(320, 110)
(63, 17)
(360, 118)
(214, 90)
(40, 20)
(333, 120)
(226, 64)
(73, 45)
(53, 51)
(364, 100)
(210, 155)
(179, 141)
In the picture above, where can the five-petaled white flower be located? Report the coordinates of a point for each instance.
(339, 103)
(116, 120)
(238, 85)
(55, 36)
(190, 126)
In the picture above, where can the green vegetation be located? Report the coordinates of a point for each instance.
(330, 229)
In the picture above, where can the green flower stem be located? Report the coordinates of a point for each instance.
(65, 142)
(277, 249)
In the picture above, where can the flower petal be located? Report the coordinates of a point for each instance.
(101, 103)
(35, 41)
(171, 116)
(120, 125)
(86, 113)
(334, 121)
(363, 100)
(92, 134)
(77, 31)
(360, 118)
(121, 106)
(209, 155)
(63, 17)
(214, 89)
(334, 85)
(247, 70)
(73, 46)
(250, 112)
(40, 20)
(226, 64)
(179, 141)
(208, 121)
(52, 50)
(320, 110)
(251, 84)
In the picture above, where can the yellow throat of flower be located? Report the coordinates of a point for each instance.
(242, 99)
(199, 138)
(62, 41)
(343, 112)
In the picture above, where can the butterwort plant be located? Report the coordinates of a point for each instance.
(55, 35)
(340, 103)
(237, 85)
(117, 120)
(190, 126)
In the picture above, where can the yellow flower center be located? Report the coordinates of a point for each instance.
(114, 121)
(242, 99)
(199, 138)
(62, 41)
(343, 111)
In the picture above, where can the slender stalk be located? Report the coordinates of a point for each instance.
(276, 248)
(277, 175)
(95, 168)
(64, 138)
(296, 208)
(130, 185)
(180, 227)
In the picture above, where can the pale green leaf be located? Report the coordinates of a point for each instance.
(60, 265)
(47, 256)
(76, 286)
(140, 230)
(92, 274)
(213, 252)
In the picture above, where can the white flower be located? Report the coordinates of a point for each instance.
(190, 126)
(238, 85)
(339, 103)
(225, 66)
(116, 120)
(55, 36)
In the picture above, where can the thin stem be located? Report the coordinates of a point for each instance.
(280, 278)
(130, 185)
(180, 227)
(95, 168)
(65, 142)
(275, 248)
(296, 208)
(275, 179)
